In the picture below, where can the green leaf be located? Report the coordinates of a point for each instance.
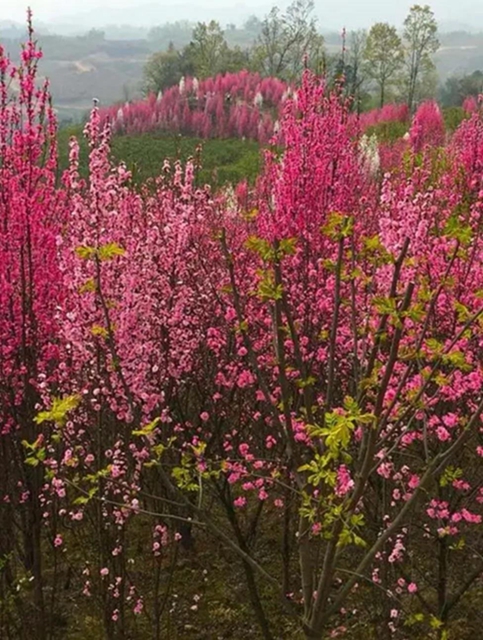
(97, 330)
(260, 246)
(435, 623)
(59, 410)
(455, 229)
(462, 311)
(434, 346)
(458, 546)
(416, 312)
(86, 253)
(110, 251)
(287, 247)
(337, 432)
(267, 289)
(338, 226)
(251, 215)
(449, 475)
(385, 305)
(88, 286)
(307, 382)
(184, 480)
(148, 429)
(373, 244)
(358, 541)
(458, 360)
(413, 619)
(106, 252)
(82, 500)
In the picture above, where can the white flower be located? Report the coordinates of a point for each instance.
(369, 150)
(258, 100)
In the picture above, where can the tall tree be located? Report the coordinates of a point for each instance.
(384, 56)
(165, 69)
(287, 40)
(421, 42)
(207, 49)
(355, 70)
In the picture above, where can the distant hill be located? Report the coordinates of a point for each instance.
(109, 65)
(460, 53)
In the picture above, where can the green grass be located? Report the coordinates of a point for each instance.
(222, 161)
(388, 131)
(453, 117)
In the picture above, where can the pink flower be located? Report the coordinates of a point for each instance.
(243, 449)
(385, 469)
(58, 541)
(443, 434)
(450, 420)
(270, 442)
(461, 485)
(240, 502)
(344, 481)
(471, 517)
(138, 608)
(412, 587)
(413, 481)
(156, 547)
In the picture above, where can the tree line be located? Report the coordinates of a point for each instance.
(378, 65)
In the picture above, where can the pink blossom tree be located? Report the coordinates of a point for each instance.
(303, 359)
(31, 355)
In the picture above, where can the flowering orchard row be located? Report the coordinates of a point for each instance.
(298, 367)
(237, 105)
(232, 105)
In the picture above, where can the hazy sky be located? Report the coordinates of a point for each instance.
(332, 13)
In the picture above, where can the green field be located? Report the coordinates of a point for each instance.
(222, 161)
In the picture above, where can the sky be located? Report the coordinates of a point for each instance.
(331, 13)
